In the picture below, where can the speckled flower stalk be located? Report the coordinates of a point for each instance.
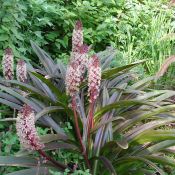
(29, 139)
(76, 70)
(25, 126)
(21, 71)
(7, 64)
(77, 36)
(74, 77)
(81, 58)
(94, 79)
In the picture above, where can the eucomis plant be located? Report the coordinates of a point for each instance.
(120, 126)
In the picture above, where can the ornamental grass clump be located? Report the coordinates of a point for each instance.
(118, 125)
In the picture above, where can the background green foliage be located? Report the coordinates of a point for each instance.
(138, 29)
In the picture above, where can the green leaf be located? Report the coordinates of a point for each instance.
(114, 119)
(107, 163)
(54, 89)
(29, 88)
(122, 143)
(166, 95)
(4, 37)
(18, 96)
(147, 126)
(45, 59)
(52, 36)
(32, 171)
(143, 115)
(19, 161)
(142, 83)
(7, 119)
(137, 158)
(52, 137)
(119, 104)
(48, 110)
(161, 160)
(112, 72)
(155, 135)
(157, 147)
(10, 104)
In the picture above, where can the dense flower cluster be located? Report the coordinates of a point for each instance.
(21, 71)
(94, 78)
(77, 36)
(78, 64)
(78, 61)
(80, 58)
(73, 79)
(76, 70)
(7, 64)
(25, 126)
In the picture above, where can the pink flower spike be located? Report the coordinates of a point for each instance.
(7, 64)
(77, 36)
(76, 69)
(73, 79)
(21, 71)
(94, 78)
(26, 131)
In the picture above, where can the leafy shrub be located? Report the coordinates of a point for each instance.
(119, 130)
(138, 29)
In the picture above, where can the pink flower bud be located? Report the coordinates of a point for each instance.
(25, 126)
(94, 78)
(21, 71)
(77, 36)
(7, 64)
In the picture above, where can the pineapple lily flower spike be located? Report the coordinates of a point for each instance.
(26, 131)
(94, 79)
(29, 139)
(21, 71)
(74, 77)
(76, 70)
(7, 64)
(77, 36)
